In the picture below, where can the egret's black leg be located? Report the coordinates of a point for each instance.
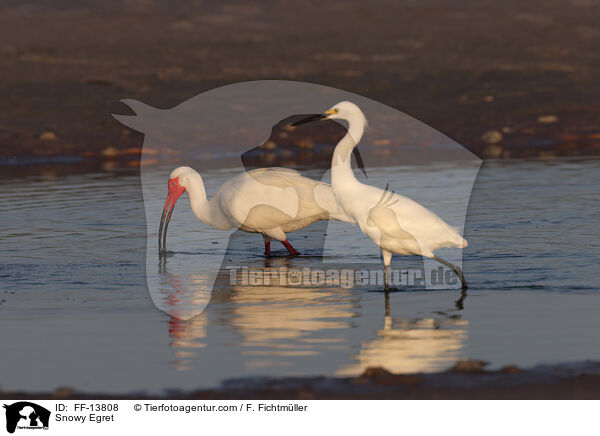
(454, 268)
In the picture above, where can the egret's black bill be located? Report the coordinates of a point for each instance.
(310, 119)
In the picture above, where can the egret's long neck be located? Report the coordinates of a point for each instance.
(205, 210)
(341, 163)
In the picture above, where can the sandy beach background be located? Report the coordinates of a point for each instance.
(503, 78)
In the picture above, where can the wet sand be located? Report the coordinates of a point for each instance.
(503, 78)
(467, 380)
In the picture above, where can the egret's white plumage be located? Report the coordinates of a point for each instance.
(395, 223)
(270, 201)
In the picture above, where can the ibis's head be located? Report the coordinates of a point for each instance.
(180, 180)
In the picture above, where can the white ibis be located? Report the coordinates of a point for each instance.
(269, 201)
(395, 223)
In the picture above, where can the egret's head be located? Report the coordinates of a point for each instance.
(180, 180)
(350, 112)
(344, 110)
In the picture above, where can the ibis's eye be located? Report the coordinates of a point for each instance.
(172, 183)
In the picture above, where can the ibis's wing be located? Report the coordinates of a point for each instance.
(314, 196)
(255, 203)
(269, 197)
(325, 199)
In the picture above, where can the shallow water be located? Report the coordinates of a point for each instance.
(75, 308)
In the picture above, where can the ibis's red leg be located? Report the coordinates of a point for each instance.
(267, 247)
(289, 247)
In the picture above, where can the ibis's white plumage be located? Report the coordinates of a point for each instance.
(270, 201)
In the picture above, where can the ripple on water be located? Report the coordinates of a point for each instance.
(74, 267)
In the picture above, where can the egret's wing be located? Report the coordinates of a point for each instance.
(384, 218)
(403, 219)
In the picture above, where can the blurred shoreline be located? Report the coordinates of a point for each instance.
(504, 79)
(468, 379)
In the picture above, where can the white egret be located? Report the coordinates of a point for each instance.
(395, 223)
(270, 201)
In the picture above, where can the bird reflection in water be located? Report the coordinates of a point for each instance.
(187, 333)
(279, 324)
(276, 326)
(413, 345)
